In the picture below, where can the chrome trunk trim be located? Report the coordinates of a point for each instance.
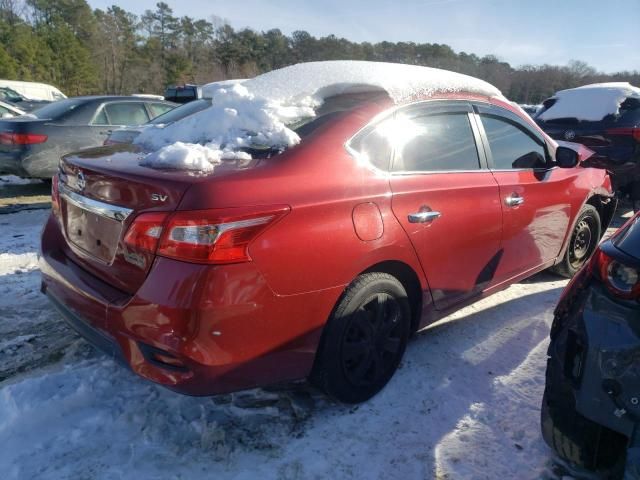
(107, 210)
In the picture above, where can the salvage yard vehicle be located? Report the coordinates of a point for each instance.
(19, 101)
(129, 134)
(591, 408)
(605, 117)
(31, 146)
(312, 250)
(34, 90)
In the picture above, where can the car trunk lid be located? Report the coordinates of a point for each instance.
(101, 193)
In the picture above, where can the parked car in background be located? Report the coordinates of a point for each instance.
(34, 90)
(318, 260)
(182, 93)
(591, 405)
(606, 118)
(531, 110)
(8, 110)
(188, 93)
(31, 146)
(8, 95)
(129, 134)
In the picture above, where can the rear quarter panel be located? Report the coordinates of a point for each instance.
(315, 246)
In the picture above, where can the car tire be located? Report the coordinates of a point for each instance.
(572, 436)
(364, 339)
(582, 243)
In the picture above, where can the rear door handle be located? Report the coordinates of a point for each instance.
(514, 200)
(106, 132)
(423, 217)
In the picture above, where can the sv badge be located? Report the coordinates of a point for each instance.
(156, 197)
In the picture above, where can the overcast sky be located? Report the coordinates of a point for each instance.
(602, 33)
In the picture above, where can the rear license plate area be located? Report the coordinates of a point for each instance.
(92, 233)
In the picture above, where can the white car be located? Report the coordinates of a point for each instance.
(34, 90)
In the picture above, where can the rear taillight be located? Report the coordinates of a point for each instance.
(215, 236)
(631, 132)
(145, 231)
(620, 279)
(11, 138)
(55, 195)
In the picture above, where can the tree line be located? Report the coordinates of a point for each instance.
(113, 51)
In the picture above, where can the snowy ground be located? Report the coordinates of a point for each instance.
(464, 405)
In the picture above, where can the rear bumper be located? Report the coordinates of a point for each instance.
(597, 352)
(31, 161)
(11, 163)
(196, 329)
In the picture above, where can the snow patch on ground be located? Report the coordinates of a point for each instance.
(590, 102)
(261, 110)
(31, 334)
(13, 180)
(464, 404)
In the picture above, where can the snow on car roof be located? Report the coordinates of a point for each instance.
(590, 102)
(401, 82)
(259, 110)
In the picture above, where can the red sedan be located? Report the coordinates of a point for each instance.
(321, 260)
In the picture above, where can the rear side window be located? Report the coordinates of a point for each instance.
(158, 109)
(374, 145)
(435, 143)
(129, 113)
(511, 146)
(101, 118)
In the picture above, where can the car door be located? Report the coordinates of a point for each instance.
(446, 199)
(536, 196)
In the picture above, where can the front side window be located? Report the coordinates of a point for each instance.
(129, 113)
(440, 142)
(511, 146)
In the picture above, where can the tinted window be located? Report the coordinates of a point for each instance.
(58, 109)
(182, 111)
(511, 146)
(158, 109)
(435, 143)
(129, 113)
(101, 118)
(374, 145)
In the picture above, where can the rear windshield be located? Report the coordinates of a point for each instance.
(10, 95)
(331, 109)
(56, 110)
(182, 111)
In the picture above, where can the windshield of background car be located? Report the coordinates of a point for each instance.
(58, 109)
(10, 95)
(182, 111)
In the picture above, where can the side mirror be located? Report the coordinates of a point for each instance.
(566, 157)
(7, 115)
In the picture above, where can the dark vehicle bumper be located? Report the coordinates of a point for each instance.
(598, 353)
(11, 163)
(30, 162)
